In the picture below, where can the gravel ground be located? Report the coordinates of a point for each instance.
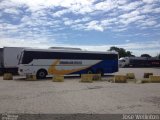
(71, 96)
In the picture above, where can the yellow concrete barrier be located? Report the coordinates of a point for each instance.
(154, 79)
(130, 76)
(31, 77)
(58, 78)
(7, 76)
(145, 81)
(120, 79)
(96, 77)
(86, 78)
(146, 75)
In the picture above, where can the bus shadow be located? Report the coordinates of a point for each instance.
(24, 79)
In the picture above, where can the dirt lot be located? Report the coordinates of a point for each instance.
(71, 96)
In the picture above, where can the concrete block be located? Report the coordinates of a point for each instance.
(146, 75)
(96, 77)
(7, 76)
(145, 81)
(130, 76)
(31, 77)
(154, 79)
(87, 78)
(120, 79)
(58, 78)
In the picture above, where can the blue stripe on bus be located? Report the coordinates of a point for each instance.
(108, 66)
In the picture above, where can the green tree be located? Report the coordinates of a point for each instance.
(121, 51)
(146, 55)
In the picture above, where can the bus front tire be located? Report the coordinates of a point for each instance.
(41, 74)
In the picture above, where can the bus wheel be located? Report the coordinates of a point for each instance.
(41, 74)
(100, 71)
(90, 72)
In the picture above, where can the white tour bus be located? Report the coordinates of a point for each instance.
(43, 62)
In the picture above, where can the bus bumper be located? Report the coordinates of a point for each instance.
(25, 71)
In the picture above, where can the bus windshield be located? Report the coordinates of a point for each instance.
(21, 57)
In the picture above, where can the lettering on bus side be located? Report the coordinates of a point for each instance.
(70, 62)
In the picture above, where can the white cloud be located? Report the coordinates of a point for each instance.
(25, 19)
(130, 6)
(157, 26)
(12, 42)
(40, 4)
(60, 13)
(35, 5)
(40, 9)
(41, 18)
(134, 19)
(129, 15)
(69, 3)
(108, 21)
(127, 40)
(85, 19)
(90, 25)
(4, 4)
(6, 26)
(149, 8)
(106, 5)
(156, 10)
(79, 6)
(68, 21)
(149, 1)
(94, 25)
(12, 11)
(122, 2)
(84, 10)
(150, 22)
(78, 27)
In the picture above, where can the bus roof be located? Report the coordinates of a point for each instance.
(74, 51)
(65, 48)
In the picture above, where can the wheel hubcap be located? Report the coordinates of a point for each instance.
(41, 74)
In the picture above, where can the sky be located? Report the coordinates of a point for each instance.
(88, 24)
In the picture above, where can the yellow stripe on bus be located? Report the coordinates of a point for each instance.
(52, 69)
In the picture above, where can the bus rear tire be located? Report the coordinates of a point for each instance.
(90, 71)
(100, 71)
(41, 74)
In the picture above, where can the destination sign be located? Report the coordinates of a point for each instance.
(71, 62)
